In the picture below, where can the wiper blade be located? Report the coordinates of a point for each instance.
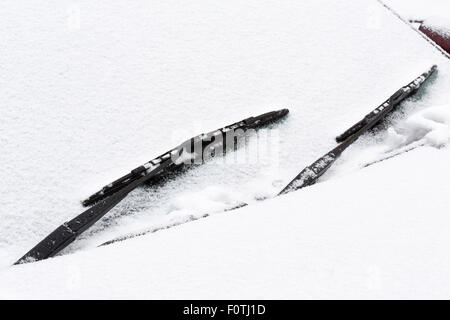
(119, 189)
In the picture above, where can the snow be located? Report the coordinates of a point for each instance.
(420, 9)
(387, 240)
(90, 90)
(432, 126)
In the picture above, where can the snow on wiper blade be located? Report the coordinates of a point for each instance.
(266, 118)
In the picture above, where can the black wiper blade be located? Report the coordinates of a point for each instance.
(395, 99)
(119, 189)
(309, 175)
(115, 186)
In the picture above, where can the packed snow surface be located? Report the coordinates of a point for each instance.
(90, 90)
